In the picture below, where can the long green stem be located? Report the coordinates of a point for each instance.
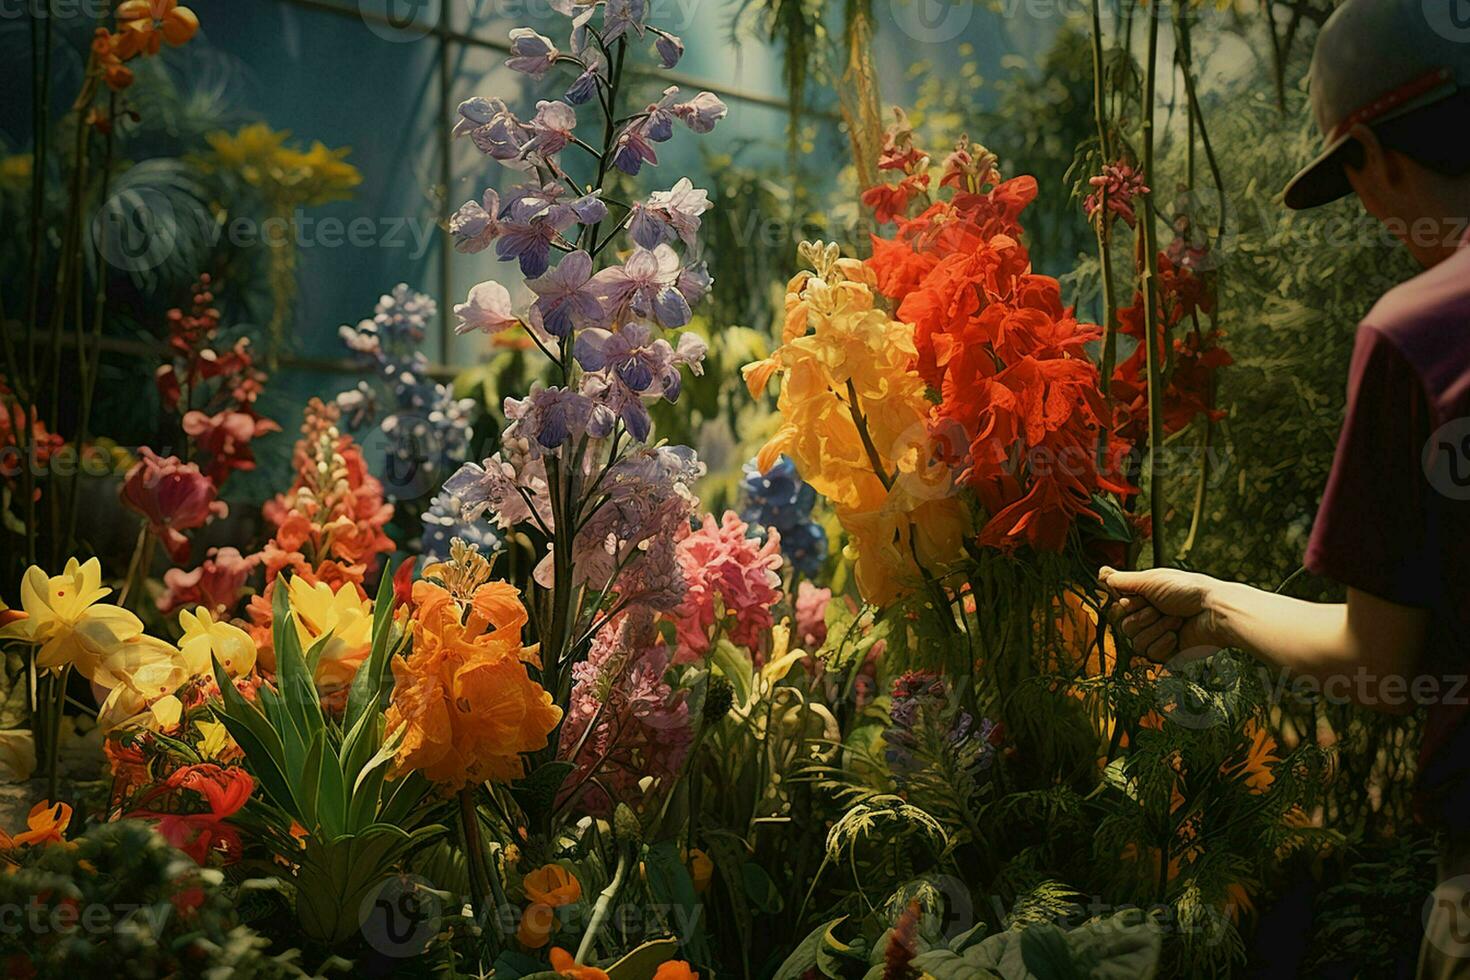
(1103, 225)
(1153, 336)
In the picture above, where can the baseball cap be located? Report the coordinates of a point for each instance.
(1377, 60)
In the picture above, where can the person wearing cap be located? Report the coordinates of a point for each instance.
(1390, 88)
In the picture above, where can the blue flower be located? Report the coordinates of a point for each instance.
(782, 501)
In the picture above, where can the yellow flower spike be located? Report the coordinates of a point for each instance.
(204, 639)
(66, 619)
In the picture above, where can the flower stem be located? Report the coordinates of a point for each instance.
(1152, 327)
(604, 905)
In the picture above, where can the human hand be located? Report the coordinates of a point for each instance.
(1165, 612)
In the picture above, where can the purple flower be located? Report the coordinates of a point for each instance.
(621, 16)
(474, 225)
(701, 112)
(563, 297)
(670, 48)
(551, 129)
(487, 309)
(537, 217)
(494, 129)
(668, 213)
(497, 486)
(693, 282)
(644, 286)
(633, 149)
(638, 360)
(585, 86)
(531, 53)
(551, 416)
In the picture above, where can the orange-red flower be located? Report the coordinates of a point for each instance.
(462, 699)
(198, 834)
(1020, 409)
(144, 26)
(46, 824)
(675, 970)
(566, 964)
(552, 885)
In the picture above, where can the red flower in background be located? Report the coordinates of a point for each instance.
(1189, 362)
(173, 497)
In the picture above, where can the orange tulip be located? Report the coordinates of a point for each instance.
(538, 922)
(552, 885)
(675, 970)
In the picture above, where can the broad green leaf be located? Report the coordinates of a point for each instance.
(367, 683)
(644, 961)
(734, 665)
(261, 743)
(804, 956)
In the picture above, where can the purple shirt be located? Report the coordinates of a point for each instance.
(1395, 519)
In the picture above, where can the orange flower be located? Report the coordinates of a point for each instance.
(565, 964)
(701, 868)
(462, 696)
(552, 885)
(143, 26)
(538, 922)
(105, 47)
(1257, 769)
(675, 970)
(46, 825)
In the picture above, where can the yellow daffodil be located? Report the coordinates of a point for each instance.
(142, 676)
(66, 619)
(205, 638)
(345, 615)
(217, 741)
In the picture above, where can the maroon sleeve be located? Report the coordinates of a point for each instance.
(1374, 528)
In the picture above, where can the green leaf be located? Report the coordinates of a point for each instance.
(1045, 953)
(761, 890)
(367, 683)
(644, 961)
(734, 665)
(671, 885)
(536, 793)
(804, 956)
(298, 690)
(261, 743)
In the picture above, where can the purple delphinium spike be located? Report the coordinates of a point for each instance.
(563, 297)
(475, 225)
(531, 53)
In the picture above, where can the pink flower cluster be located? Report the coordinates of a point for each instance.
(639, 725)
(731, 578)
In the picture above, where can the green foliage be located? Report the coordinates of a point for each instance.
(120, 902)
(328, 777)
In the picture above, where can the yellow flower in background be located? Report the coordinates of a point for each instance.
(65, 617)
(217, 742)
(345, 614)
(15, 172)
(856, 421)
(205, 638)
(290, 176)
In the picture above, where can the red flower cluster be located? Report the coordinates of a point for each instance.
(39, 444)
(1020, 406)
(213, 389)
(198, 833)
(1189, 372)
